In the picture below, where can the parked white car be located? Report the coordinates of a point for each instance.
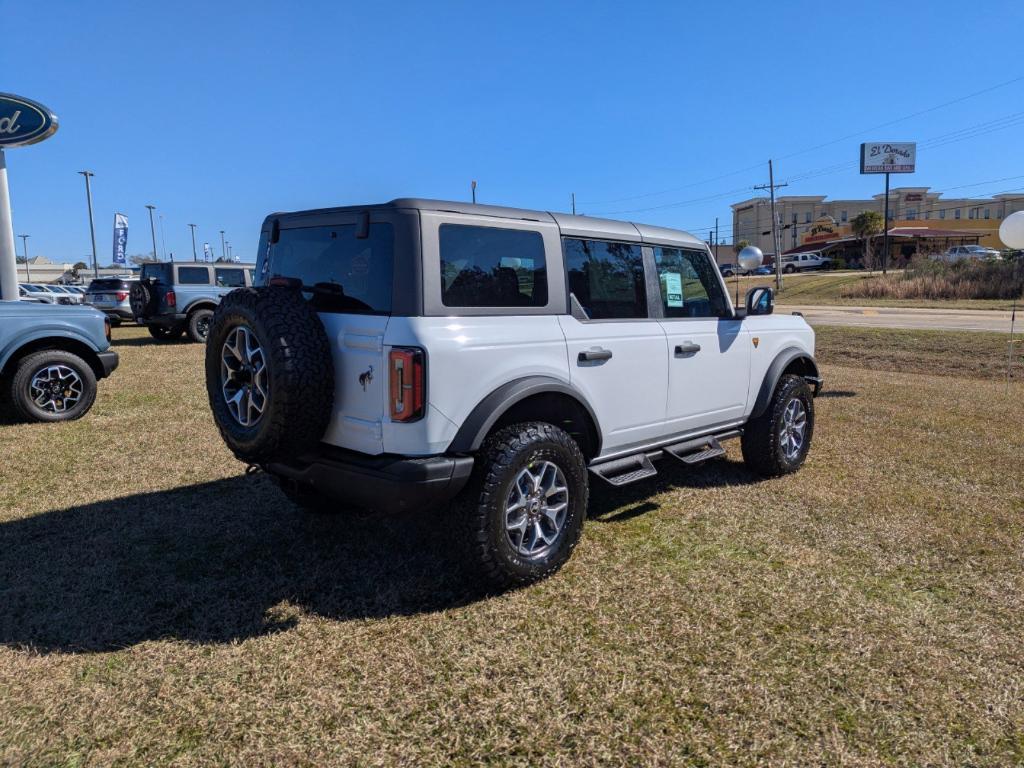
(964, 252)
(803, 262)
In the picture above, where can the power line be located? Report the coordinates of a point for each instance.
(755, 166)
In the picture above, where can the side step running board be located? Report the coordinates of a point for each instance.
(695, 451)
(625, 471)
(639, 466)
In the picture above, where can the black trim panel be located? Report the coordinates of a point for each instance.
(771, 378)
(480, 420)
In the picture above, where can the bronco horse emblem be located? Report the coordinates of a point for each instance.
(366, 377)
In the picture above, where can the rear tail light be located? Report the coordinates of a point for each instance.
(170, 299)
(122, 295)
(407, 383)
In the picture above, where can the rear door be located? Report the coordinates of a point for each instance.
(616, 350)
(346, 271)
(192, 282)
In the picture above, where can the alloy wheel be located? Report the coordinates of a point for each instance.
(536, 508)
(244, 376)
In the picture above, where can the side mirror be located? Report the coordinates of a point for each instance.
(760, 301)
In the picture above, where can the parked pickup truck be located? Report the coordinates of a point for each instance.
(51, 357)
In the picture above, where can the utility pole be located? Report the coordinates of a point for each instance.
(194, 256)
(92, 227)
(573, 203)
(24, 247)
(776, 245)
(163, 240)
(716, 239)
(472, 189)
(223, 247)
(152, 230)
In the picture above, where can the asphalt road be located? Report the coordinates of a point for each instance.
(902, 317)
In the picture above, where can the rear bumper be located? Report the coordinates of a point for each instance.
(108, 361)
(381, 483)
(164, 321)
(116, 313)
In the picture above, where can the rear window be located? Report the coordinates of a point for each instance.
(154, 271)
(339, 271)
(492, 267)
(108, 285)
(193, 276)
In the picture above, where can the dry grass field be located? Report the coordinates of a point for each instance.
(834, 289)
(159, 607)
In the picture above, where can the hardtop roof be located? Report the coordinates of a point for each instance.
(568, 224)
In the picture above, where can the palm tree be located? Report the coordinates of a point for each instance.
(865, 226)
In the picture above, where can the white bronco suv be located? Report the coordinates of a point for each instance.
(406, 355)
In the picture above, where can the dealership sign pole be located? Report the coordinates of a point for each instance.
(22, 122)
(887, 157)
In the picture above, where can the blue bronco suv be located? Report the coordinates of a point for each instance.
(51, 357)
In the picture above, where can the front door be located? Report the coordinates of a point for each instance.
(616, 352)
(707, 349)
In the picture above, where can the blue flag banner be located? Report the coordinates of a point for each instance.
(120, 239)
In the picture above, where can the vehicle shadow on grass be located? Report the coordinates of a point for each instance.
(149, 341)
(213, 563)
(617, 505)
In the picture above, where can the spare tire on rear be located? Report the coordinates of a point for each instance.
(269, 373)
(139, 298)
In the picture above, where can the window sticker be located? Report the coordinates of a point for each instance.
(672, 284)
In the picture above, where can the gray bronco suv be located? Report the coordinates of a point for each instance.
(418, 353)
(51, 357)
(172, 298)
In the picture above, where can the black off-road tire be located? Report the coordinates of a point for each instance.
(762, 451)
(165, 333)
(27, 368)
(198, 324)
(482, 505)
(140, 296)
(300, 373)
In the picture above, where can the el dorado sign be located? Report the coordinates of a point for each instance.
(23, 121)
(888, 157)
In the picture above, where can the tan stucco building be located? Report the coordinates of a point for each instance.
(913, 207)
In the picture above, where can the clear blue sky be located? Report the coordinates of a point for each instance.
(219, 113)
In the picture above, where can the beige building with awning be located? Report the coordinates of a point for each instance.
(808, 219)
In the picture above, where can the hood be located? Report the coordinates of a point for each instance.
(32, 309)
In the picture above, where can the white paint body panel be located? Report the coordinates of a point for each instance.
(711, 386)
(627, 392)
(467, 359)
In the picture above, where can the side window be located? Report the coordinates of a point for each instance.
(229, 278)
(606, 278)
(492, 267)
(689, 285)
(193, 276)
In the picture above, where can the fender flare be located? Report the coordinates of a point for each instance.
(48, 331)
(487, 412)
(774, 373)
(202, 303)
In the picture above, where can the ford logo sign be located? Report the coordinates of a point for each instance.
(23, 121)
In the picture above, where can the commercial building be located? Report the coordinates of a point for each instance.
(919, 220)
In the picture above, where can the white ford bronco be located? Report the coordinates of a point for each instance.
(406, 355)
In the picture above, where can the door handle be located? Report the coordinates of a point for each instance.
(594, 355)
(687, 349)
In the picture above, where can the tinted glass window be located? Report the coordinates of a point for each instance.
(339, 272)
(108, 285)
(229, 278)
(492, 267)
(606, 278)
(689, 285)
(193, 276)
